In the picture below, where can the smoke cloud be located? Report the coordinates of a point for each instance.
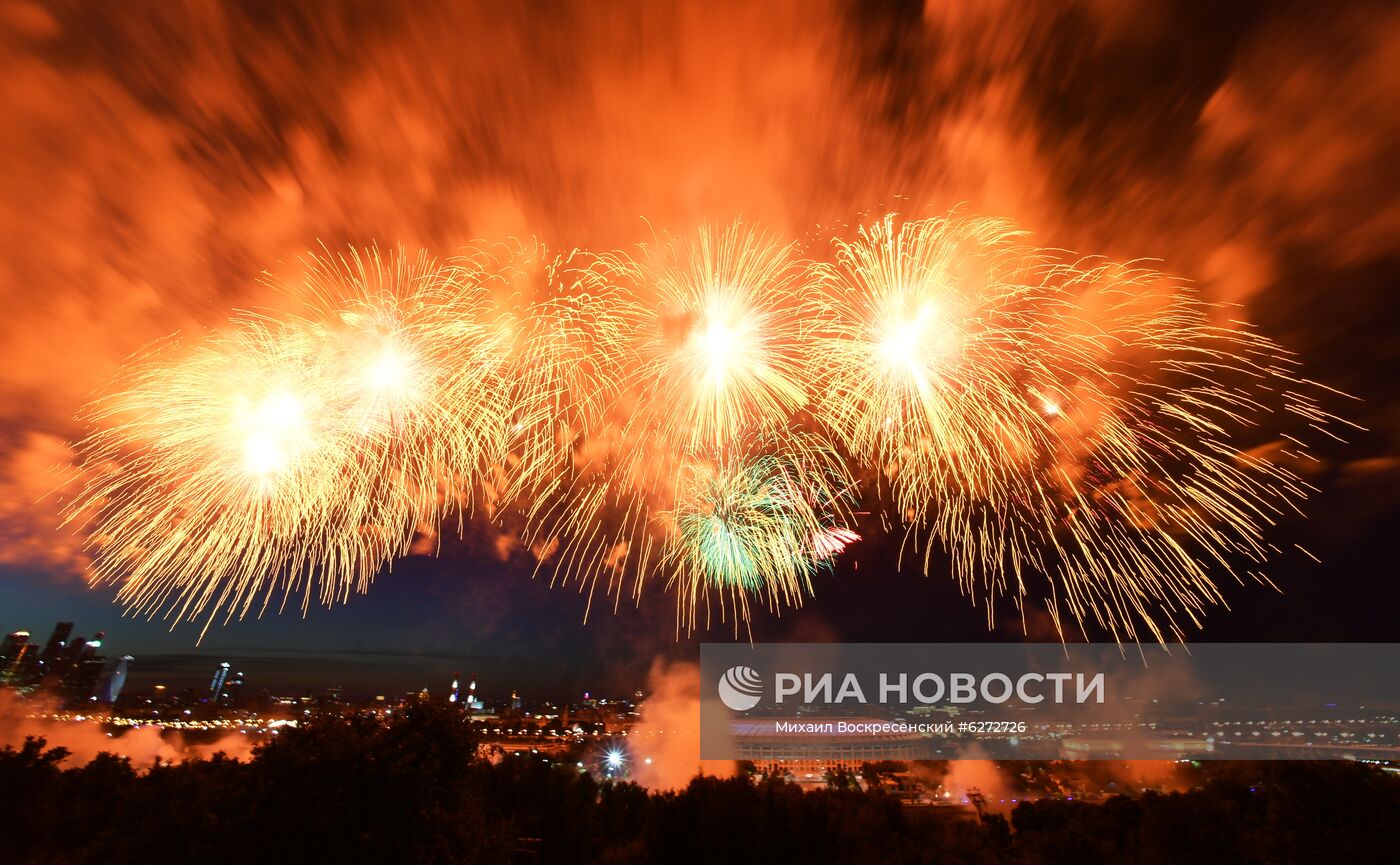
(669, 733)
(21, 719)
(152, 186)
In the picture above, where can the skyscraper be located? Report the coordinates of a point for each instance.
(71, 652)
(84, 667)
(12, 655)
(216, 687)
(111, 687)
(13, 647)
(14, 643)
(233, 686)
(58, 641)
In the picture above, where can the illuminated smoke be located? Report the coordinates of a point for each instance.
(86, 739)
(665, 745)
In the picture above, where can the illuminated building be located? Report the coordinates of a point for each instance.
(85, 667)
(58, 640)
(12, 647)
(14, 653)
(216, 686)
(808, 756)
(55, 660)
(232, 688)
(111, 687)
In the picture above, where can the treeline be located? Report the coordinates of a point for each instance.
(355, 790)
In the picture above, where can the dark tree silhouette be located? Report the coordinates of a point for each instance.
(416, 789)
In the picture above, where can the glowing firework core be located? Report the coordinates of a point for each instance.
(390, 372)
(720, 344)
(275, 431)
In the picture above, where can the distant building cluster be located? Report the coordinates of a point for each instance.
(74, 667)
(92, 688)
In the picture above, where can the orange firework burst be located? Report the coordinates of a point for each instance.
(921, 341)
(701, 352)
(1075, 421)
(294, 456)
(560, 474)
(718, 353)
(1147, 496)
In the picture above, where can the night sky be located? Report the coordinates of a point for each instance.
(162, 158)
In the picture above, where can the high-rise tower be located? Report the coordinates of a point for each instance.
(10, 648)
(12, 654)
(58, 641)
(216, 687)
(111, 687)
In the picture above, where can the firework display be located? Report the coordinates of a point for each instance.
(708, 414)
(758, 522)
(296, 457)
(1063, 431)
(697, 354)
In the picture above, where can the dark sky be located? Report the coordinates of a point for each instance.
(168, 154)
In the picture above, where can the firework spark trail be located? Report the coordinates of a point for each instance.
(757, 522)
(297, 456)
(722, 350)
(1148, 491)
(569, 369)
(1065, 433)
(564, 463)
(703, 337)
(1074, 421)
